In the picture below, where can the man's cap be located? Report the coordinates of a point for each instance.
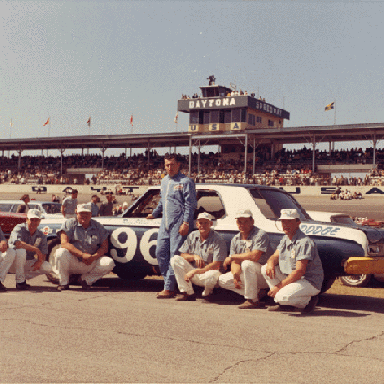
(74, 191)
(243, 213)
(84, 208)
(205, 215)
(34, 214)
(289, 214)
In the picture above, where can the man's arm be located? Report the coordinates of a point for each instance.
(193, 258)
(3, 245)
(89, 259)
(271, 264)
(301, 267)
(70, 247)
(32, 248)
(238, 258)
(199, 271)
(63, 210)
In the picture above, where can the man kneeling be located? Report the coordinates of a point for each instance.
(201, 256)
(84, 242)
(31, 248)
(294, 272)
(247, 254)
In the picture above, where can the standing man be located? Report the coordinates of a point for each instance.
(84, 242)
(94, 207)
(7, 257)
(69, 204)
(247, 254)
(294, 272)
(106, 209)
(31, 248)
(200, 259)
(177, 205)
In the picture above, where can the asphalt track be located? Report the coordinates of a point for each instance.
(120, 332)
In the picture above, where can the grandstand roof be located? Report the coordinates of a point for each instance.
(289, 135)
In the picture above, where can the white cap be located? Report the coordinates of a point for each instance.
(34, 214)
(205, 215)
(243, 213)
(125, 204)
(84, 208)
(289, 214)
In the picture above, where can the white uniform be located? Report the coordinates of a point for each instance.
(211, 249)
(251, 278)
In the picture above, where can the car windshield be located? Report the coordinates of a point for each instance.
(52, 208)
(270, 202)
(344, 220)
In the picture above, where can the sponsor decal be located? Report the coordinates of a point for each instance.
(320, 230)
(46, 230)
(178, 187)
(297, 190)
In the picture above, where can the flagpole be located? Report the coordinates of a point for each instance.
(334, 122)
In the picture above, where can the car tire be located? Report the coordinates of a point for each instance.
(327, 283)
(356, 280)
(127, 274)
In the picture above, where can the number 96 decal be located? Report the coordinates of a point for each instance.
(126, 239)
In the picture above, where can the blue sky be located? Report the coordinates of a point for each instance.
(69, 60)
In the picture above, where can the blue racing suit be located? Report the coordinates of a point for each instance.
(177, 204)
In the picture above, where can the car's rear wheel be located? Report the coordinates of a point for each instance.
(356, 280)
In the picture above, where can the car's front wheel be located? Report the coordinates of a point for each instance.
(356, 280)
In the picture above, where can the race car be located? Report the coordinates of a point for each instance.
(342, 249)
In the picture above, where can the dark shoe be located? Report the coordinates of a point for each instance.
(185, 297)
(310, 307)
(166, 295)
(62, 287)
(282, 308)
(85, 286)
(250, 304)
(22, 286)
(2, 288)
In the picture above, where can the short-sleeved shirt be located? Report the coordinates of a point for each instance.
(211, 249)
(21, 233)
(257, 240)
(301, 247)
(106, 209)
(86, 240)
(69, 205)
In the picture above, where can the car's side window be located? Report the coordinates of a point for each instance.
(145, 205)
(209, 201)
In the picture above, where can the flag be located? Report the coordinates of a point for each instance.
(46, 123)
(176, 117)
(330, 106)
(132, 120)
(89, 121)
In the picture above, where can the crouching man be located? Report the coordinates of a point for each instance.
(7, 257)
(247, 254)
(201, 256)
(31, 248)
(84, 243)
(294, 272)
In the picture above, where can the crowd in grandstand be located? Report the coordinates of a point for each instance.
(284, 168)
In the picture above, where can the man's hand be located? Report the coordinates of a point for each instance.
(199, 261)
(150, 217)
(236, 280)
(227, 261)
(270, 270)
(3, 246)
(273, 291)
(184, 229)
(37, 265)
(188, 276)
(87, 258)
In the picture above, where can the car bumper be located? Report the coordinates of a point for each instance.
(364, 265)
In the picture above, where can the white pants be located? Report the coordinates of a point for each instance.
(251, 280)
(6, 260)
(182, 266)
(297, 294)
(23, 267)
(68, 264)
